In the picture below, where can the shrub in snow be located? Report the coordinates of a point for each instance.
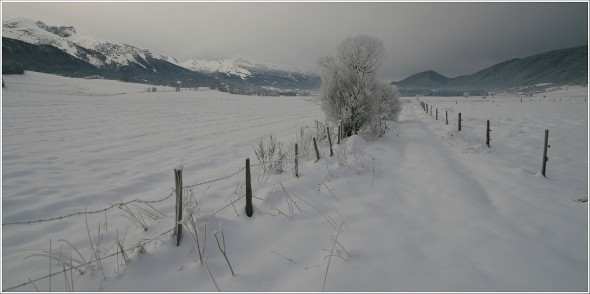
(349, 92)
(304, 139)
(270, 155)
(386, 106)
(351, 155)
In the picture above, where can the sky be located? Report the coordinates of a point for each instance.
(452, 39)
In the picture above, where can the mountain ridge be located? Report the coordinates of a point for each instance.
(114, 59)
(556, 67)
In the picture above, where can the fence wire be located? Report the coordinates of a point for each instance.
(143, 242)
(88, 212)
(140, 244)
(143, 201)
(214, 180)
(120, 203)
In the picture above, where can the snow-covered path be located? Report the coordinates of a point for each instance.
(429, 224)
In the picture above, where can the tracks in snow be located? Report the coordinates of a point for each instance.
(428, 211)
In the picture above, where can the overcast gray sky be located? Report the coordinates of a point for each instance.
(451, 38)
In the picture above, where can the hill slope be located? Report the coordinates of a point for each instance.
(558, 67)
(424, 80)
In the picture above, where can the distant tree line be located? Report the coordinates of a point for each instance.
(12, 68)
(440, 93)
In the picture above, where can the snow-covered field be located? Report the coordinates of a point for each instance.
(426, 208)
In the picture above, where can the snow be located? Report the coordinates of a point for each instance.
(29, 31)
(425, 208)
(240, 66)
(226, 66)
(168, 58)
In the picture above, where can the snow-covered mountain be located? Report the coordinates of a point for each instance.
(243, 67)
(225, 66)
(252, 72)
(66, 39)
(87, 55)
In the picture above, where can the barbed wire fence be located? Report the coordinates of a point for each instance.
(494, 99)
(143, 242)
(426, 104)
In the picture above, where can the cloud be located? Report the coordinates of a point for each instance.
(451, 38)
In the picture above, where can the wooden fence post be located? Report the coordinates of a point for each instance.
(430, 110)
(447, 116)
(488, 133)
(437, 114)
(249, 209)
(329, 141)
(459, 122)
(426, 107)
(296, 161)
(339, 127)
(545, 158)
(178, 218)
(317, 153)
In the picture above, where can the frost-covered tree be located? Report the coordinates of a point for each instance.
(387, 104)
(349, 92)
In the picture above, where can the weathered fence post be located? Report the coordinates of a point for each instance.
(296, 160)
(459, 122)
(545, 158)
(178, 218)
(339, 127)
(249, 209)
(447, 116)
(317, 153)
(437, 114)
(329, 141)
(488, 133)
(426, 107)
(430, 110)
